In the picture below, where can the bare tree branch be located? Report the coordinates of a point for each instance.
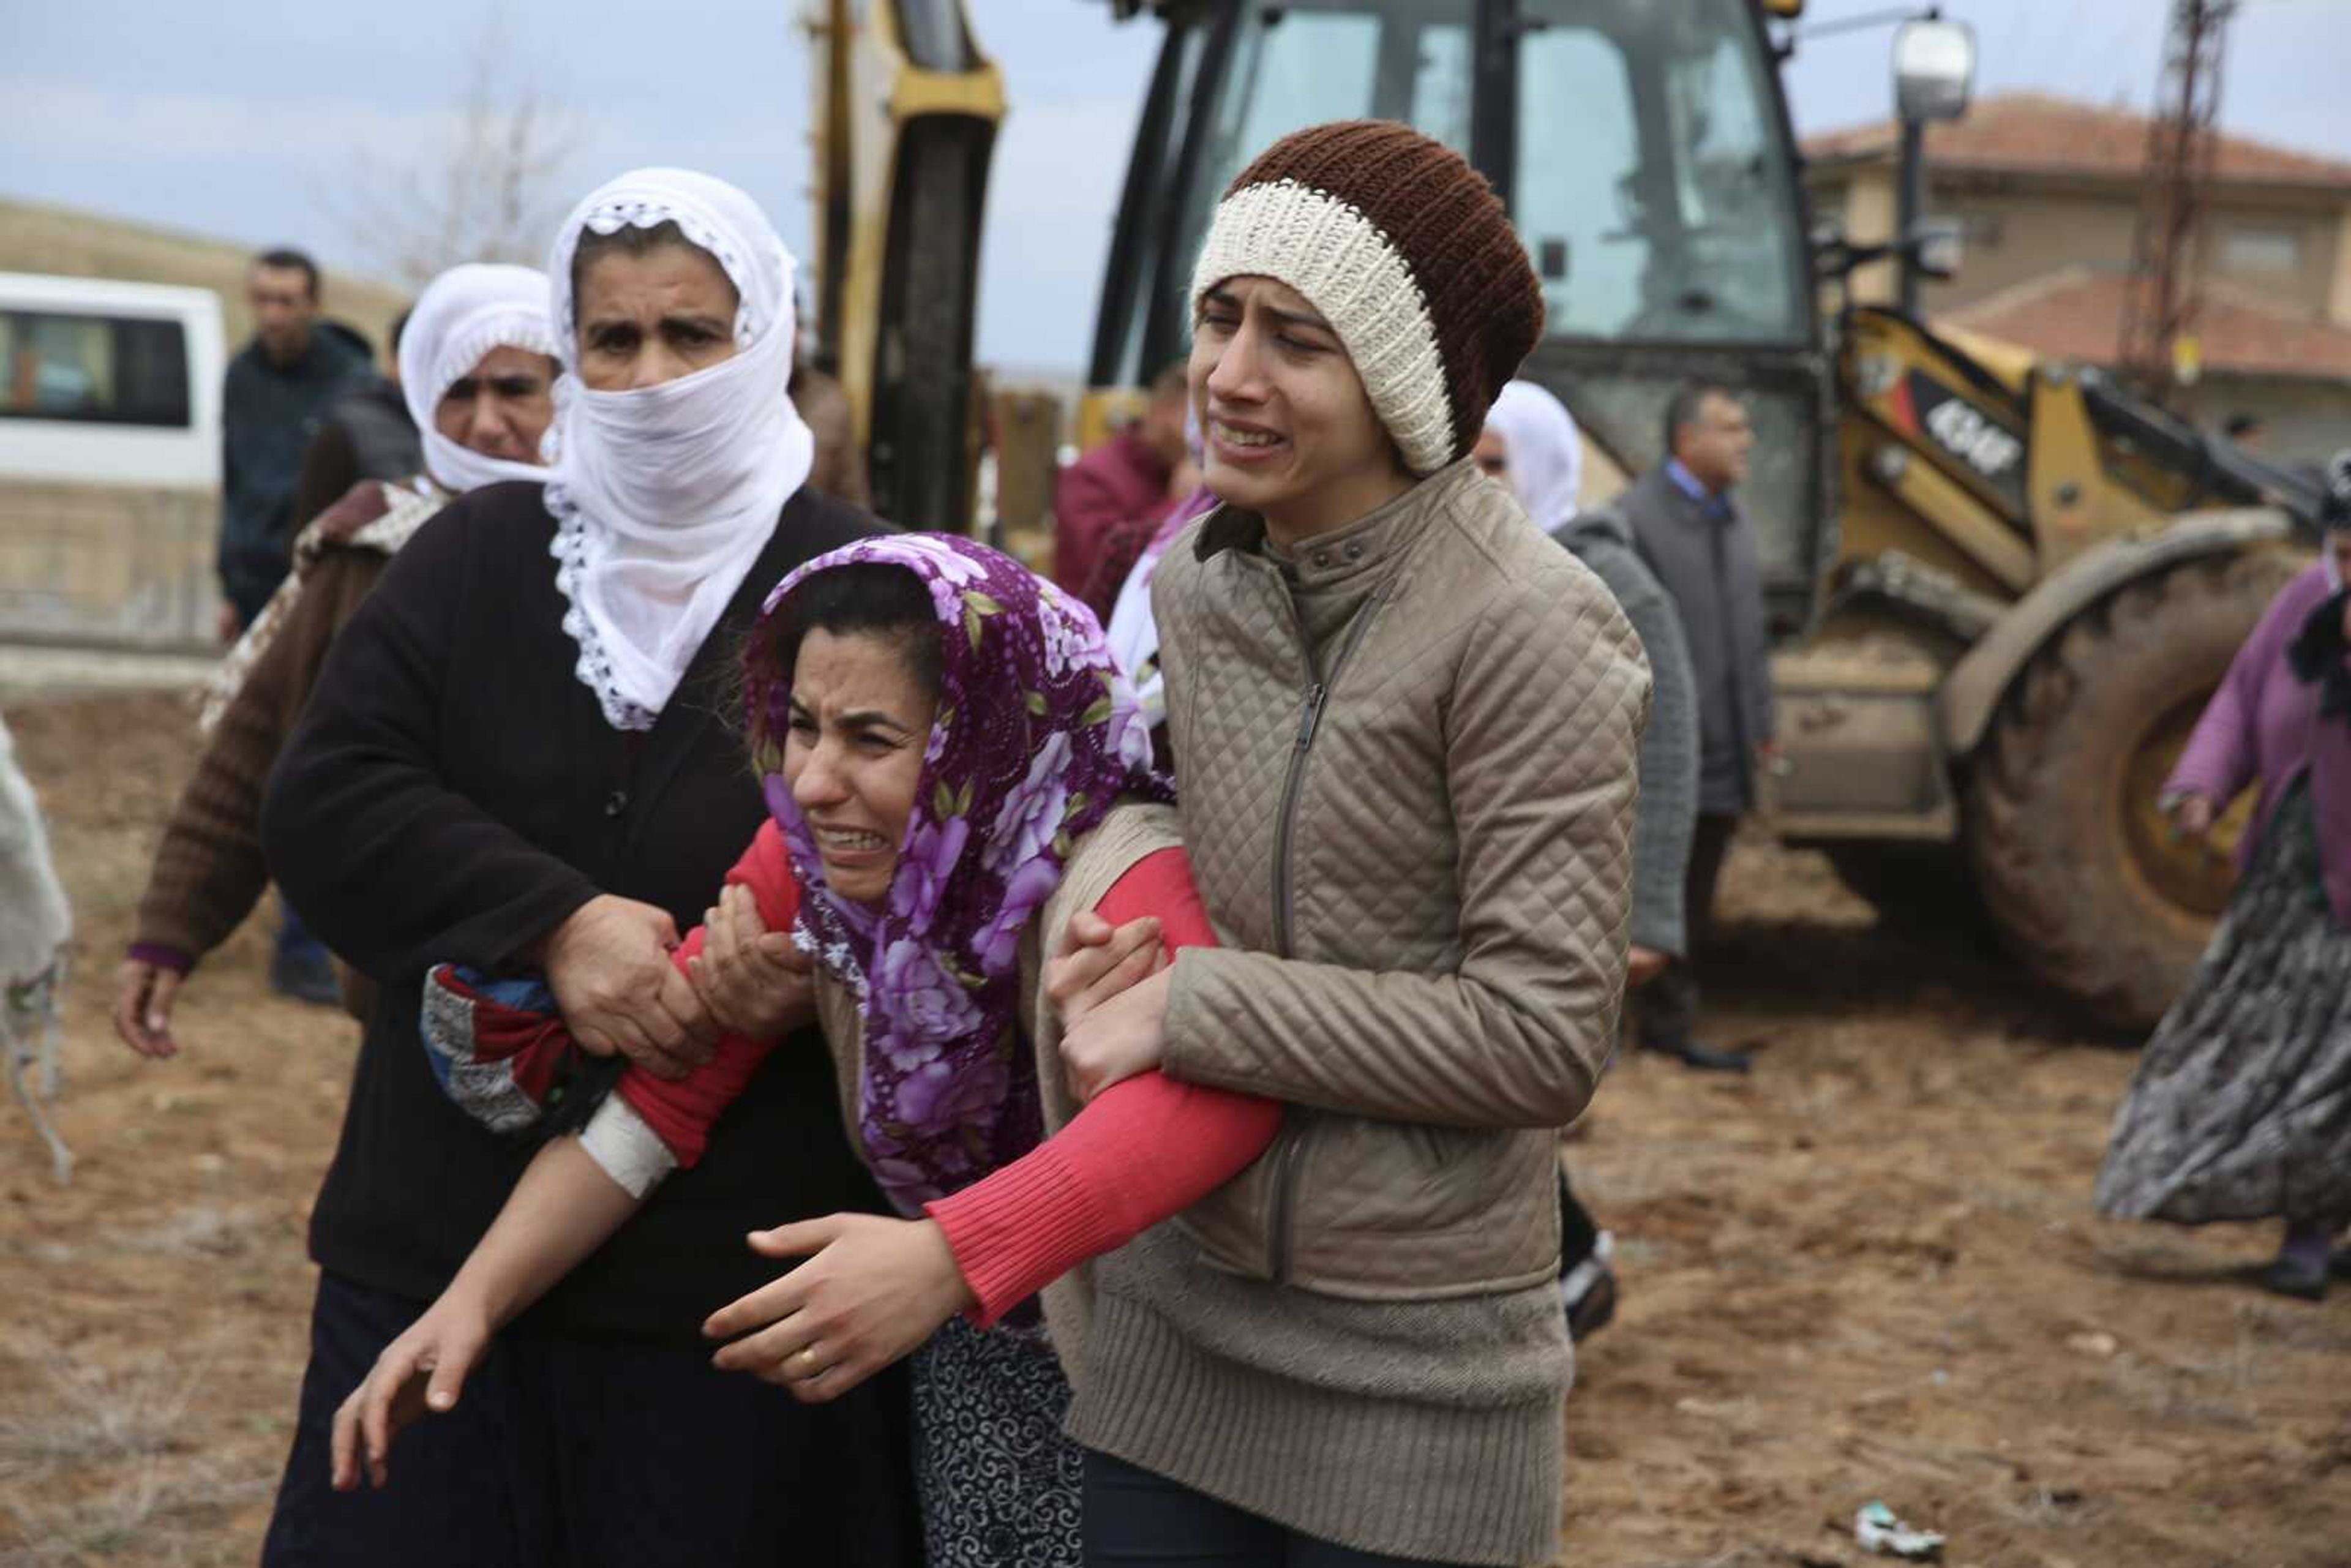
(488, 188)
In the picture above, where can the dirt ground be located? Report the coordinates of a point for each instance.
(1870, 1271)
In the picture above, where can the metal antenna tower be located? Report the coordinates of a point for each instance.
(2165, 292)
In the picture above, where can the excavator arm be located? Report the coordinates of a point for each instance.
(907, 107)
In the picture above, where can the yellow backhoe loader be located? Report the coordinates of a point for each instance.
(2002, 588)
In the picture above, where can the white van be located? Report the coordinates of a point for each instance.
(109, 460)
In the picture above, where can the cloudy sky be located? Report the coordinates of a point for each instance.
(249, 119)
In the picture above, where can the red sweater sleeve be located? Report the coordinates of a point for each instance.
(681, 1111)
(1083, 1192)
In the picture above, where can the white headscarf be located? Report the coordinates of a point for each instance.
(664, 496)
(461, 316)
(1134, 630)
(1546, 454)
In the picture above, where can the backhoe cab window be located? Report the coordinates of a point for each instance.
(1297, 64)
(1650, 181)
(1640, 143)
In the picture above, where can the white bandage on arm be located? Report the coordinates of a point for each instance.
(629, 1151)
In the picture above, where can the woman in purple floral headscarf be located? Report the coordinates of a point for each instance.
(954, 768)
(1014, 771)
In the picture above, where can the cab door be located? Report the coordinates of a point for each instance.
(1644, 148)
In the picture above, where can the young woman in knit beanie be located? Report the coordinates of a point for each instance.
(1408, 725)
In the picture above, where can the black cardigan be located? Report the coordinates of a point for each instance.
(452, 794)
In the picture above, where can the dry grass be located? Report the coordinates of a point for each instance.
(81, 1414)
(99, 1464)
(149, 1364)
(154, 1514)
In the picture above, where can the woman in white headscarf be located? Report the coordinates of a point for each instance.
(520, 760)
(681, 447)
(477, 368)
(1530, 434)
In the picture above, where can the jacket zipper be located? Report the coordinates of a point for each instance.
(1309, 722)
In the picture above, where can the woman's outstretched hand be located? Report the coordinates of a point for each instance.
(420, 1373)
(143, 995)
(753, 980)
(872, 1288)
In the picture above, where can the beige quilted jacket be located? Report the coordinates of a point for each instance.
(1407, 771)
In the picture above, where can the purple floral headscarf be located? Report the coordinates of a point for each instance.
(1037, 737)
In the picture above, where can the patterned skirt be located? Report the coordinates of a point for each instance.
(999, 1478)
(2242, 1105)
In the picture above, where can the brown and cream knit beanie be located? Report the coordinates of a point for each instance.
(1407, 253)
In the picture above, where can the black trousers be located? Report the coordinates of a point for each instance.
(1666, 1008)
(571, 1451)
(1132, 1516)
(1579, 1233)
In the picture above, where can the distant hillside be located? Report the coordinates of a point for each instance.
(35, 237)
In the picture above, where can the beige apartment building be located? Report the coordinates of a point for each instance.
(2046, 192)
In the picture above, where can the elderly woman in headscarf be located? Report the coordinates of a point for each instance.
(516, 754)
(953, 769)
(477, 368)
(2240, 1108)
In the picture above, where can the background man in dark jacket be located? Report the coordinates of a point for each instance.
(279, 388)
(1693, 533)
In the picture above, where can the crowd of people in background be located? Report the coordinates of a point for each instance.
(1129, 1013)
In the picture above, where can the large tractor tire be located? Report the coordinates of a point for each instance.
(2083, 875)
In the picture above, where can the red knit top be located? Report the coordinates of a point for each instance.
(1081, 1193)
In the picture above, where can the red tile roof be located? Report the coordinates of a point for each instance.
(2031, 132)
(2075, 313)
